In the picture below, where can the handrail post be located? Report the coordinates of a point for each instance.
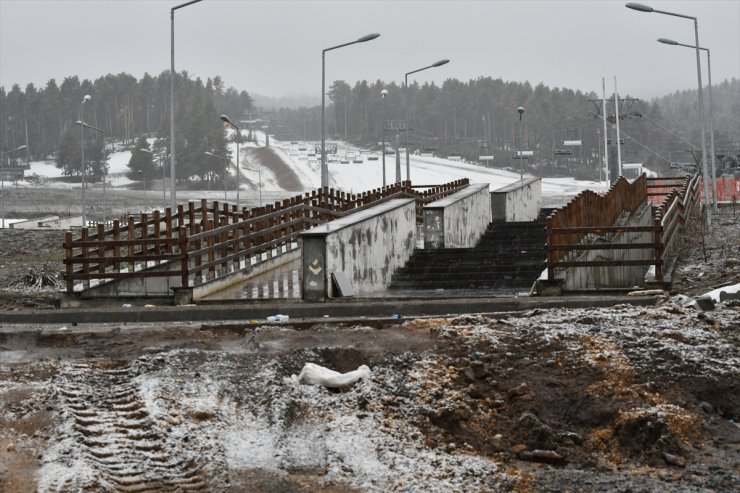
(658, 248)
(182, 242)
(68, 255)
(548, 244)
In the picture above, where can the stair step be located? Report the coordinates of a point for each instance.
(508, 256)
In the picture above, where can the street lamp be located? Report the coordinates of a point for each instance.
(520, 110)
(225, 119)
(2, 184)
(143, 178)
(83, 126)
(259, 177)
(324, 170)
(405, 115)
(226, 166)
(85, 99)
(383, 94)
(173, 191)
(644, 8)
(164, 178)
(711, 113)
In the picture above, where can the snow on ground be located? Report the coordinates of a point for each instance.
(357, 174)
(46, 169)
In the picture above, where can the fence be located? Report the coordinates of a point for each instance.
(201, 242)
(570, 229)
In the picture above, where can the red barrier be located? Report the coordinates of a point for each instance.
(728, 188)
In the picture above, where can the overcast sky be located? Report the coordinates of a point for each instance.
(274, 47)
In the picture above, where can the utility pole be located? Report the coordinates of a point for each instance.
(623, 113)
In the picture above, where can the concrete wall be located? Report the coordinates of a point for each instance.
(135, 286)
(367, 246)
(577, 278)
(459, 220)
(273, 259)
(518, 201)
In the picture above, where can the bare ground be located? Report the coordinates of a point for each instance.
(625, 399)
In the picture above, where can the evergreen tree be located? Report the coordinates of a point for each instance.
(141, 164)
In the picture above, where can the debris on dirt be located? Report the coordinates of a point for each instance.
(546, 456)
(45, 278)
(313, 374)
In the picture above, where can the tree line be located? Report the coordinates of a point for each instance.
(470, 119)
(480, 117)
(124, 109)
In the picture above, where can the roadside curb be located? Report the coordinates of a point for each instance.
(344, 309)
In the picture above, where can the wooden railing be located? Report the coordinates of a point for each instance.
(588, 215)
(200, 242)
(670, 217)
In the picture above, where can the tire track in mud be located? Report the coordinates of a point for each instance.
(114, 435)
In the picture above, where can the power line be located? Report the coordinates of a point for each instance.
(669, 132)
(645, 147)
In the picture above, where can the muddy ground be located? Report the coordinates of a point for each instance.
(620, 399)
(624, 399)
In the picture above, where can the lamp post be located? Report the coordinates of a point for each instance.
(143, 178)
(2, 184)
(405, 113)
(164, 178)
(225, 119)
(324, 170)
(83, 126)
(383, 94)
(644, 8)
(173, 191)
(259, 177)
(711, 114)
(520, 110)
(225, 167)
(82, 153)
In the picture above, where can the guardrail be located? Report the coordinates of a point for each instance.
(200, 242)
(589, 215)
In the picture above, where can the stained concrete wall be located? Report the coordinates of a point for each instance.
(518, 201)
(136, 286)
(459, 220)
(367, 246)
(578, 278)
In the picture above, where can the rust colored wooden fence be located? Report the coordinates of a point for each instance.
(200, 242)
(570, 228)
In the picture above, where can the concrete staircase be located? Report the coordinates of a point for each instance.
(508, 257)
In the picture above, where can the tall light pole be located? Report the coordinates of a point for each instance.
(711, 114)
(143, 178)
(2, 184)
(520, 110)
(644, 8)
(226, 167)
(173, 191)
(405, 106)
(85, 99)
(83, 126)
(164, 178)
(225, 119)
(383, 94)
(259, 177)
(324, 170)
